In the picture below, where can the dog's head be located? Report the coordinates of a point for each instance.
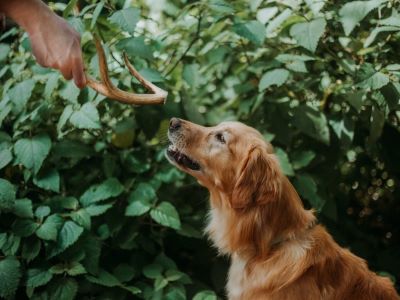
(231, 158)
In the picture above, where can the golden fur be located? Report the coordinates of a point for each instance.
(277, 250)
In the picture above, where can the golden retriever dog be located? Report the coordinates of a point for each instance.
(277, 250)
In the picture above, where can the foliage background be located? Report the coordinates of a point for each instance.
(91, 209)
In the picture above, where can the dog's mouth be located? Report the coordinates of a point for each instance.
(182, 159)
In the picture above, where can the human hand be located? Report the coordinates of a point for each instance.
(56, 44)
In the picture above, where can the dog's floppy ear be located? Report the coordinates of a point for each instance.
(259, 180)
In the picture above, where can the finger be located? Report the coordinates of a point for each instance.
(66, 72)
(78, 73)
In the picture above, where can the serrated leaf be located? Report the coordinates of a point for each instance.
(284, 162)
(31, 249)
(10, 274)
(97, 210)
(166, 214)
(111, 187)
(68, 235)
(205, 295)
(24, 227)
(374, 33)
(275, 77)
(37, 277)
(375, 81)
(96, 14)
(7, 195)
(67, 112)
(152, 271)
(302, 159)
(70, 92)
(50, 227)
(87, 117)
(312, 122)
(141, 200)
(50, 180)
(252, 30)
(51, 85)
(307, 188)
(135, 46)
(32, 152)
(92, 248)
(124, 272)
(42, 211)
(5, 157)
(307, 34)
(104, 278)
(23, 208)
(126, 18)
(63, 289)
(353, 12)
(82, 217)
(21, 93)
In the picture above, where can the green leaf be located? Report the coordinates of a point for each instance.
(31, 249)
(7, 195)
(205, 295)
(191, 74)
(254, 31)
(87, 117)
(374, 33)
(67, 112)
(307, 188)
(32, 152)
(5, 157)
(42, 211)
(82, 217)
(275, 77)
(92, 248)
(51, 85)
(10, 274)
(220, 6)
(126, 18)
(24, 227)
(104, 278)
(135, 46)
(97, 210)
(153, 271)
(124, 272)
(141, 200)
(37, 277)
(353, 12)
(50, 227)
(69, 234)
(375, 81)
(96, 14)
(50, 180)
(70, 92)
(307, 34)
(166, 214)
(312, 122)
(23, 208)
(21, 93)
(63, 289)
(302, 159)
(69, 8)
(4, 50)
(284, 162)
(160, 283)
(344, 129)
(111, 187)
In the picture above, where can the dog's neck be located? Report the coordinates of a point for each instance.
(259, 229)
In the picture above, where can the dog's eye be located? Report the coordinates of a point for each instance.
(220, 138)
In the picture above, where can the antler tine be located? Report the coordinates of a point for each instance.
(107, 88)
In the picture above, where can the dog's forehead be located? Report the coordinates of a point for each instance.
(237, 127)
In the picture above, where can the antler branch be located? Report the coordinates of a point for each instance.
(107, 88)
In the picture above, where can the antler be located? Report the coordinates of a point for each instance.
(106, 87)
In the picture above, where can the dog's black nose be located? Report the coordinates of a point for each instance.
(174, 124)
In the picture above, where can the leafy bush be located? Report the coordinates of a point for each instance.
(91, 209)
